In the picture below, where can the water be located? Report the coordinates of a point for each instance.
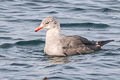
(21, 49)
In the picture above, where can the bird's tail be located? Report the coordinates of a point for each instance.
(101, 43)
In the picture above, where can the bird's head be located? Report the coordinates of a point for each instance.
(47, 23)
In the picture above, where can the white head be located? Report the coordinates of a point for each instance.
(48, 23)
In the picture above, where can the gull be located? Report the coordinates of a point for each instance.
(57, 44)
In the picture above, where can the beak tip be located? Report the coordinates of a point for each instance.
(38, 28)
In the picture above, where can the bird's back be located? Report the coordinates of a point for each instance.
(77, 45)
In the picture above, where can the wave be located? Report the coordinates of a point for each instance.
(108, 10)
(10, 38)
(21, 64)
(5, 38)
(22, 43)
(2, 56)
(31, 42)
(95, 25)
(96, 10)
(77, 9)
(6, 45)
(50, 1)
(3, 9)
(52, 12)
(2, 31)
(25, 20)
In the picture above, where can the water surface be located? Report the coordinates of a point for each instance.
(21, 49)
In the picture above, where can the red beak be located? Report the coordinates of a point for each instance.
(38, 28)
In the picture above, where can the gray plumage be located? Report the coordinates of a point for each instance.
(80, 45)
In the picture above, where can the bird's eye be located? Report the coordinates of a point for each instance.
(55, 22)
(47, 22)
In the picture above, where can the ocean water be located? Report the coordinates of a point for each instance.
(21, 49)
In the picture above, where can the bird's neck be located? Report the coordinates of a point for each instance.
(53, 34)
(53, 45)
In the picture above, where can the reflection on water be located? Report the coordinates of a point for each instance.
(58, 60)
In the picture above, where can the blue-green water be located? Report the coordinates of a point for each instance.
(21, 49)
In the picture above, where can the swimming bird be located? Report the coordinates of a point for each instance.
(57, 44)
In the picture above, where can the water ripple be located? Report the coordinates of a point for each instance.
(94, 25)
(22, 43)
(5, 38)
(31, 42)
(21, 64)
(6, 45)
(8, 70)
(77, 9)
